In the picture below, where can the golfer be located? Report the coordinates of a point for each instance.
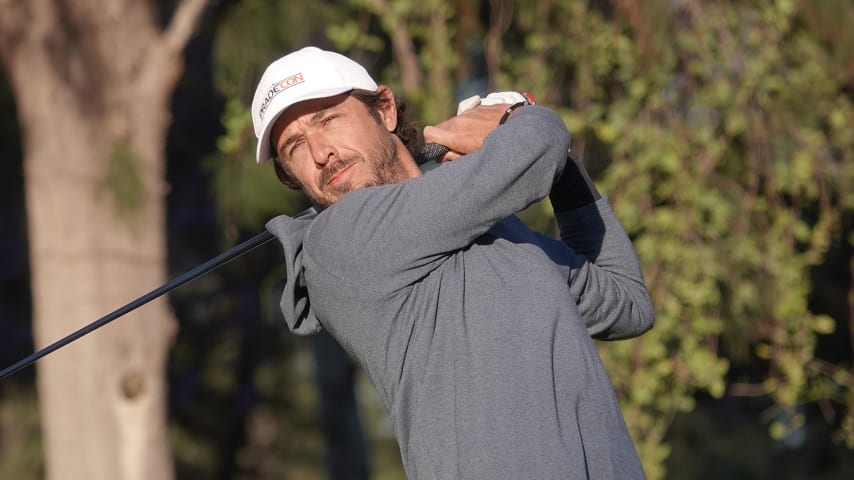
(475, 330)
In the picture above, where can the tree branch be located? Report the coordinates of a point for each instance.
(12, 25)
(183, 23)
(748, 390)
(501, 17)
(402, 46)
(164, 61)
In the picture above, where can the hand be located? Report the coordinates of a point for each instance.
(465, 133)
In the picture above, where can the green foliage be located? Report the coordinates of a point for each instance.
(248, 194)
(252, 34)
(255, 32)
(721, 130)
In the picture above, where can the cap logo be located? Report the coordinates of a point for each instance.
(278, 88)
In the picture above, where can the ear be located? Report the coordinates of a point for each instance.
(387, 108)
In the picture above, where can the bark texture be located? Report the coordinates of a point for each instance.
(92, 82)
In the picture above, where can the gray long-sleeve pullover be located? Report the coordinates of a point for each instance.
(475, 330)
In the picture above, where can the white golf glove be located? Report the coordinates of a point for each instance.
(494, 98)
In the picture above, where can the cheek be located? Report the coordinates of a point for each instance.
(300, 175)
(310, 179)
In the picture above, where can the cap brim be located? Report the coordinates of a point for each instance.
(263, 152)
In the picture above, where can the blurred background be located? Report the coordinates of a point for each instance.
(723, 133)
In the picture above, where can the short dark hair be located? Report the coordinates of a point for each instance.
(405, 129)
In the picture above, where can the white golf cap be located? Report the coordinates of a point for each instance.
(305, 74)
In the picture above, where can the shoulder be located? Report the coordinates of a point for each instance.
(538, 121)
(354, 239)
(348, 223)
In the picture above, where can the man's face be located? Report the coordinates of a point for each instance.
(333, 145)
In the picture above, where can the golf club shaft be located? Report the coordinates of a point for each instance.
(424, 154)
(196, 272)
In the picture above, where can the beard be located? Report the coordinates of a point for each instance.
(383, 167)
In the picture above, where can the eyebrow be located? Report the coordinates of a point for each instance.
(315, 118)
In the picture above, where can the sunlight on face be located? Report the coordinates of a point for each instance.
(333, 145)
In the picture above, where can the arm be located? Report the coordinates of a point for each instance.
(604, 274)
(395, 233)
(609, 287)
(388, 237)
(574, 188)
(606, 281)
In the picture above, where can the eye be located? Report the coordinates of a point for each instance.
(295, 146)
(329, 118)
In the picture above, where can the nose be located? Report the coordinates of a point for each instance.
(322, 150)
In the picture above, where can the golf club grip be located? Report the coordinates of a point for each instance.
(429, 152)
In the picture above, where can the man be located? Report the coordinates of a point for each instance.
(475, 331)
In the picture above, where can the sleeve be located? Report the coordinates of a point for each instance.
(608, 287)
(294, 302)
(390, 236)
(574, 188)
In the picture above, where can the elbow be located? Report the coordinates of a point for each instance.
(633, 318)
(645, 316)
(641, 319)
(641, 312)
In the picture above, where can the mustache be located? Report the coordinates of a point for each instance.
(330, 170)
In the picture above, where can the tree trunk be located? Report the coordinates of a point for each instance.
(92, 82)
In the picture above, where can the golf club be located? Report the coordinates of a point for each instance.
(196, 272)
(425, 154)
